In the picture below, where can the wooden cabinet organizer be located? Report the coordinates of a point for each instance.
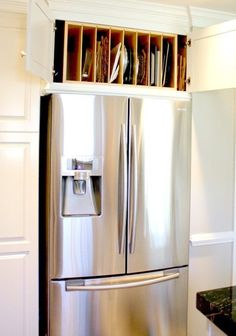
(112, 55)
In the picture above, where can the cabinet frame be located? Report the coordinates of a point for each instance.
(121, 43)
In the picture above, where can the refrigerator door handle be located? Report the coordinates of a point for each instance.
(121, 282)
(123, 194)
(133, 189)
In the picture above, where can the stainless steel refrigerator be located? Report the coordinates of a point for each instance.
(117, 215)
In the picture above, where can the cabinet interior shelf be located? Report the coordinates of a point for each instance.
(112, 55)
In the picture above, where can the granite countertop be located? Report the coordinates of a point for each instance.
(219, 306)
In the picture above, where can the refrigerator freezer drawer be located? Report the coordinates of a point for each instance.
(115, 307)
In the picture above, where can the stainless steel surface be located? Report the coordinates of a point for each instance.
(86, 128)
(93, 130)
(155, 310)
(122, 193)
(123, 177)
(79, 200)
(163, 158)
(133, 189)
(120, 282)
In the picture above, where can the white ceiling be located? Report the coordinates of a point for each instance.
(219, 5)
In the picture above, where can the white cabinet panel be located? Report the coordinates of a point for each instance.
(14, 171)
(18, 171)
(212, 58)
(12, 73)
(212, 198)
(18, 234)
(19, 89)
(18, 292)
(40, 40)
(212, 166)
(12, 293)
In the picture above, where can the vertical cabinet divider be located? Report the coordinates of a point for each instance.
(149, 61)
(181, 62)
(169, 53)
(143, 58)
(88, 53)
(155, 60)
(65, 54)
(72, 50)
(103, 54)
(116, 56)
(130, 57)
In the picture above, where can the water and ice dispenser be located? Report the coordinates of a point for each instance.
(81, 188)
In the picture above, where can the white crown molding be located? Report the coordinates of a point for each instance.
(205, 17)
(140, 14)
(17, 6)
(123, 13)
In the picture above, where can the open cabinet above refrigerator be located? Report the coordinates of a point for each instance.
(82, 56)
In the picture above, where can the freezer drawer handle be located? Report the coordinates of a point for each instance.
(114, 283)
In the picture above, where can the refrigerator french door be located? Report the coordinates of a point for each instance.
(117, 215)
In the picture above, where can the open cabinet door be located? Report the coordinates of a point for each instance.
(212, 58)
(40, 40)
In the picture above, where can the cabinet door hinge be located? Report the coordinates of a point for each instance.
(188, 43)
(54, 26)
(188, 80)
(54, 73)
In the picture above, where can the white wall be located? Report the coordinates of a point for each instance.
(212, 198)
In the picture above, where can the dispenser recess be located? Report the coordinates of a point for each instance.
(81, 190)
